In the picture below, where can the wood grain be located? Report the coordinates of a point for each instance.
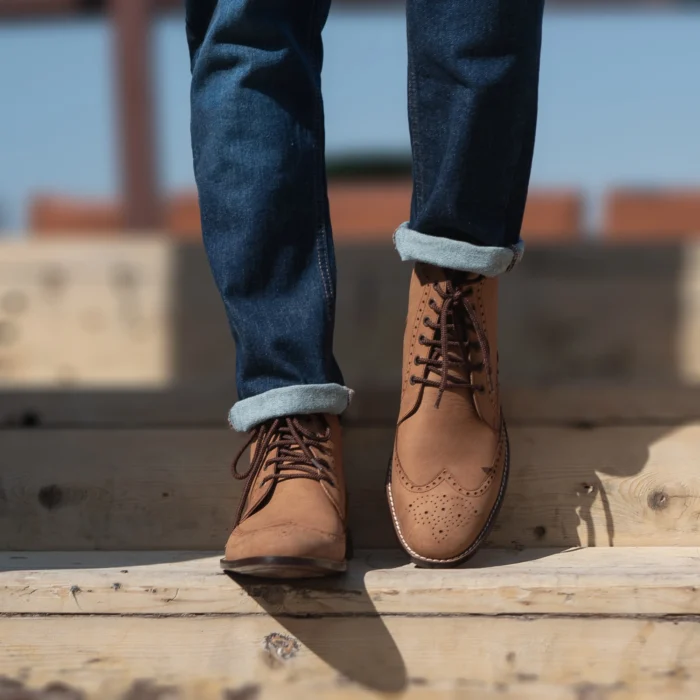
(170, 489)
(592, 581)
(357, 657)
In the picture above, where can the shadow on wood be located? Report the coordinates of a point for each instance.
(376, 662)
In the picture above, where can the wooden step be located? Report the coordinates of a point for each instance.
(171, 488)
(145, 314)
(581, 624)
(544, 581)
(206, 405)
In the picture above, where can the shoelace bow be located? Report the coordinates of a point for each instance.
(456, 318)
(294, 459)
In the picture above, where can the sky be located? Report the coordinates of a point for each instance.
(620, 102)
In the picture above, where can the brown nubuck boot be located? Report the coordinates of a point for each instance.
(450, 463)
(292, 518)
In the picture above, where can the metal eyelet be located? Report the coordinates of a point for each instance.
(412, 380)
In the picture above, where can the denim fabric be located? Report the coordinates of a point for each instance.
(489, 261)
(258, 148)
(290, 400)
(473, 76)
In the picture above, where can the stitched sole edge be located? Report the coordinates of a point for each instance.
(426, 563)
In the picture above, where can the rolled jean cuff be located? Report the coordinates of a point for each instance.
(289, 401)
(488, 261)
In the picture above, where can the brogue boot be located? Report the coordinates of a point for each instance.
(450, 462)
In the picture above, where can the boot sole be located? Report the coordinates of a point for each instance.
(284, 567)
(274, 567)
(474, 547)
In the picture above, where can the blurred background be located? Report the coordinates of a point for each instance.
(102, 279)
(117, 368)
(94, 128)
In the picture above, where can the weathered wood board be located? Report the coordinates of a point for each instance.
(201, 406)
(563, 658)
(87, 313)
(586, 581)
(120, 313)
(171, 489)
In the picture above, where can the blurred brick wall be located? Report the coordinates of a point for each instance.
(49, 214)
(360, 211)
(638, 214)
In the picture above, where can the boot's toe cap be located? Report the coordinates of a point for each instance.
(439, 534)
(285, 540)
(441, 524)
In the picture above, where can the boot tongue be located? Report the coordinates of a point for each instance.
(314, 423)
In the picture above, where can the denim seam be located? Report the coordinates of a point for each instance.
(319, 208)
(513, 169)
(414, 126)
(322, 254)
(517, 256)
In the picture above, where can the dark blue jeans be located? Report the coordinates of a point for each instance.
(258, 146)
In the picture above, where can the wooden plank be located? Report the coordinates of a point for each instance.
(590, 581)
(689, 322)
(170, 489)
(600, 405)
(467, 657)
(207, 405)
(573, 315)
(86, 313)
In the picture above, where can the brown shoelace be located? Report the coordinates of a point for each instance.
(456, 318)
(295, 458)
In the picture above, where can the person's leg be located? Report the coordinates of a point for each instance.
(258, 146)
(473, 82)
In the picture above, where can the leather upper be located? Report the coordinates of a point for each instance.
(449, 460)
(294, 517)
